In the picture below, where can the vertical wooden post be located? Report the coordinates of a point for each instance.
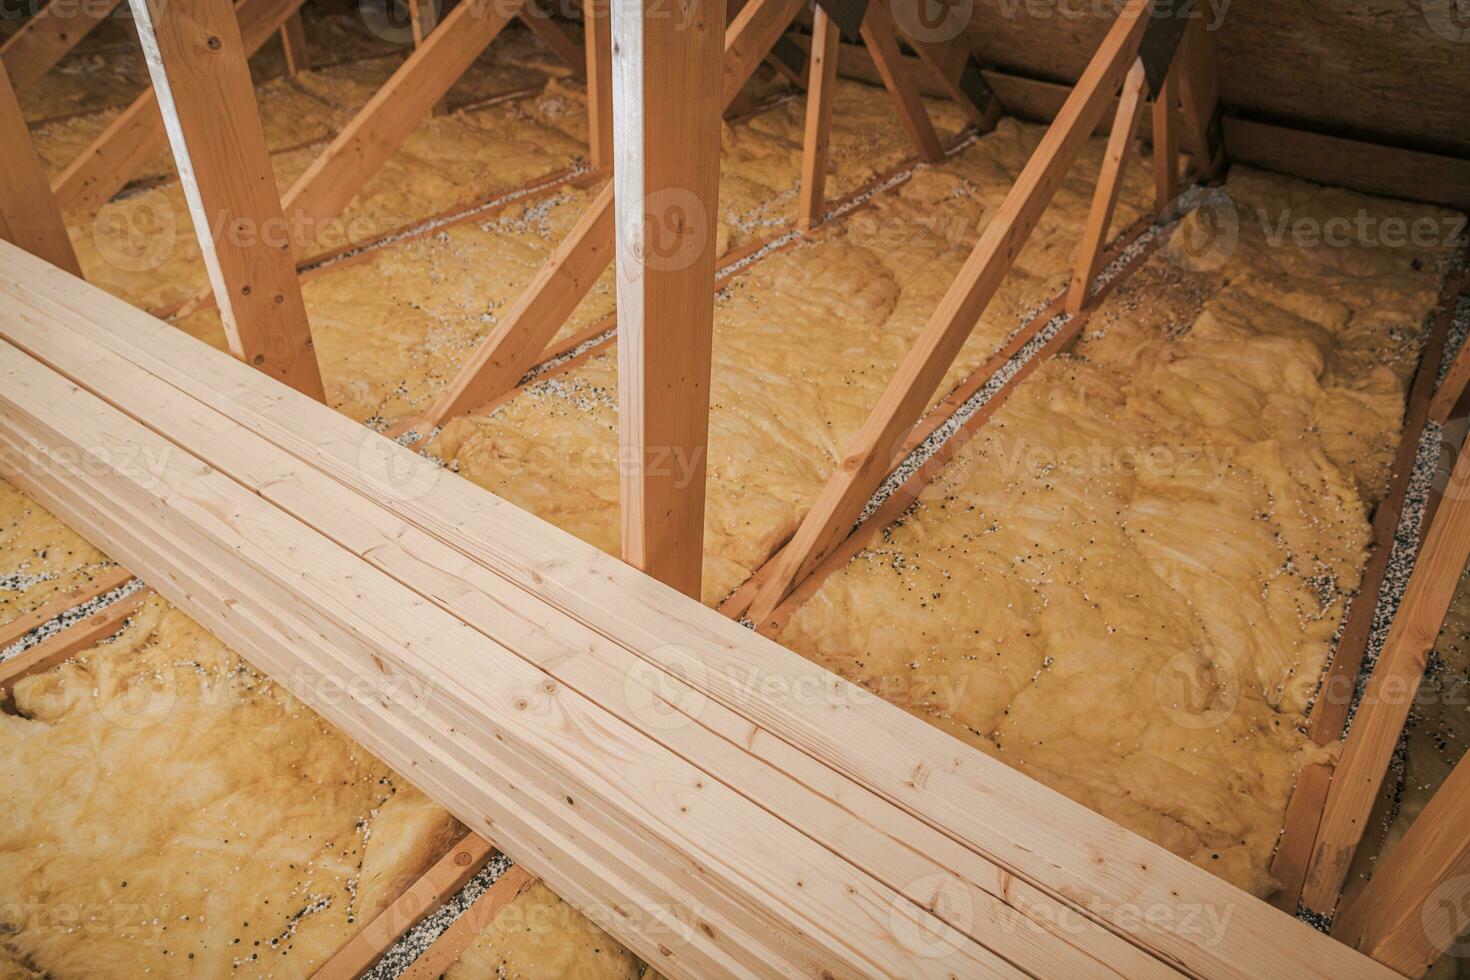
(597, 41)
(293, 42)
(29, 216)
(666, 115)
(1390, 692)
(424, 17)
(1413, 907)
(202, 81)
(1109, 186)
(826, 40)
(1199, 94)
(1166, 140)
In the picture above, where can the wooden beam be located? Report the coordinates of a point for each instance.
(445, 951)
(667, 179)
(1026, 858)
(1390, 692)
(1411, 913)
(871, 456)
(48, 35)
(892, 68)
(359, 151)
(955, 67)
(819, 98)
(1166, 141)
(423, 17)
(556, 39)
(293, 44)
(1109, 187)
(597, 40)
(442, 881)
(29, 216)
(104, 582)
(574, 265)
(1449, 397)
(75, 639)
(202, 81)
(1199, 97)
(1372, 168)
(137, 134)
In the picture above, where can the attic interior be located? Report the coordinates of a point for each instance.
(756, 488)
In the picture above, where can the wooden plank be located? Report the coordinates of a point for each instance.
(202, 80)
(597, 40)
(666, 115)
(445, 951)
(818, 132)
(293, 44)
(892, 68)
(579, 260)
(1449, 398)
(426, 895)
(1390, 693)
(1410, 914)
(1328, 717)
(1047, 850)
(958, 72)
(1199, 97)
(137, 134)
(423, 17)
(75, 639)
(1109, 187)
(1340, 162)
(104, 582)
(551, 34)
(29, 216)
(51, 32)
(359, 151)
(1166, 142)
(868, 460)
(480, 728)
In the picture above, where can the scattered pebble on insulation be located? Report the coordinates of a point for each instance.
(418, 939)
(70, 617)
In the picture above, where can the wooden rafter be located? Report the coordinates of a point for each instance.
(29, 216)
(1109, 187)
(1412, 909)
(577, 262)
(423, 17)
(557, 40)
(445, 951)
(882, 46)
(137, 134)
(1199, 96)
(69, 642)
(869, 459)
(958, 71)
(1166, 141)
(597, 40)
(293, 44)
(1449, 399)
(202, 81)
(104, 582)
(46, 37)
(1389, 695)
(820, 94)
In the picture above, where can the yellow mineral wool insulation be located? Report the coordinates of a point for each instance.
(166, 809)
(538, 935)
(392, 330)
(1126, 585)
(804, 344)
(40, 558)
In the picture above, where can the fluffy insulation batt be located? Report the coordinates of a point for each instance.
(1127, 584)
(40, 558)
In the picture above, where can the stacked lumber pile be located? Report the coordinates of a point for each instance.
(724, 806)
